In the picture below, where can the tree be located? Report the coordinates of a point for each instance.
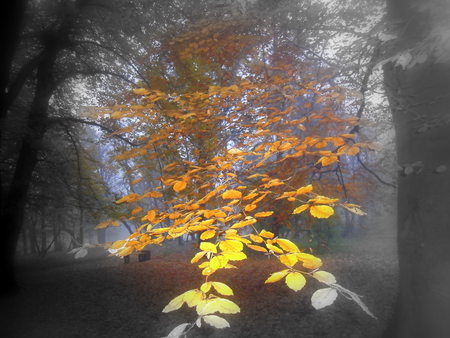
(242, 122)
(418, 83)
(49, 44)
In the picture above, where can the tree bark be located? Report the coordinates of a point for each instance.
(420, 100)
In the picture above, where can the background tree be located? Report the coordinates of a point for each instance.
(418, 82)
(50, 44)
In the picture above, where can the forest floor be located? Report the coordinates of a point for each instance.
(99, 296)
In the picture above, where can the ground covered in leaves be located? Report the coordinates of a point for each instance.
(99, 296)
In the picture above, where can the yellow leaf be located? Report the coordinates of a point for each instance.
(304, 190)
(208, 271)
(136, 210)
(207, 246)
(179, 185)
(115, 223)
(321, 211)
(126, 251)
(231, 195)
(276, 276)
(267, 234)
(309, 261)
(160, 230)
(174, 304)
(118, 244)
(295, 280)
(274, 248)
(324, 277)
(222, 288)
(231, 245)
(257, 248)
(198, 256)
(256, 238)
(287, 245)
(301, 209)
(214, 263)
(238, 238)
(217, 305)
(323, 200)
(207, 235)
(216, 321)
(234, 256)
(193, 297)
(264, 214)
(205, 287)
(241, 224)
(288, 259)
(353, 151)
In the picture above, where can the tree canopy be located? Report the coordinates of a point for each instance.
(232, 126)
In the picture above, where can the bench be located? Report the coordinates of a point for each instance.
(143, 255)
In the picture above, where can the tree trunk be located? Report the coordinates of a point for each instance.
(13, 215)
(420, 101)
(43, 232)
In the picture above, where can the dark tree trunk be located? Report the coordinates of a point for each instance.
(25, 241)
(57, 238)
(420, 102)
(43, 232)
(13, 215)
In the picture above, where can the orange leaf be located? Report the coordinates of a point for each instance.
(353, 151)
(249, 207)
(179, 185)
(136, 210)
(264, 214)
(103, 225)
(231, 195)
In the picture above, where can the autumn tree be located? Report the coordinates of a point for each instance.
(242, 122)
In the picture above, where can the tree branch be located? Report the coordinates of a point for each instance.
(77, 120)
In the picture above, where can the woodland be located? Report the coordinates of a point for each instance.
(293, 150)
